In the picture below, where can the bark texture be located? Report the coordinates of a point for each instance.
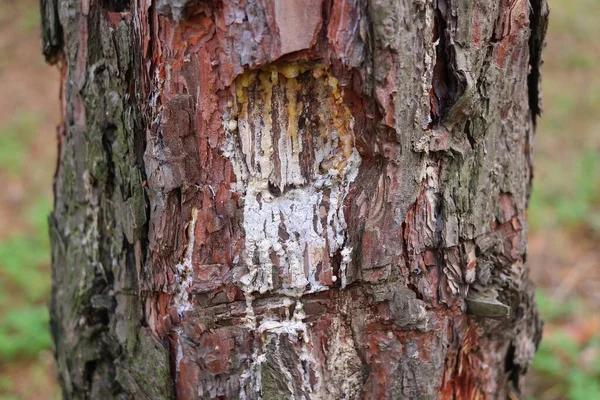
(293, 199)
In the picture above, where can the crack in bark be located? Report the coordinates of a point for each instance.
(538, 20)
(52, 31)
(448, 82)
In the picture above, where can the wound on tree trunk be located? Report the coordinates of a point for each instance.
(293, 199)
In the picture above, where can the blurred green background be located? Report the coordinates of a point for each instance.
(564, 214)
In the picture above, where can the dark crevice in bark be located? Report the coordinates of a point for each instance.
(456, 368)
(171, 343)
(538, 23)
(418, 294)
(336, 262)
(147, 79)
(90, 368)
(116, 5)
(405, 245)
(277, 191)
(448, 82)
(142, 121)
(97, 62)
(439, 87)
(108, 138)
(52, 32)
(469, 134)
(513, 370)
(439, 216)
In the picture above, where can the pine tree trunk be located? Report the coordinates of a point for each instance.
(293, 199)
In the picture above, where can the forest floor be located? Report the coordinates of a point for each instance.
(564, 213)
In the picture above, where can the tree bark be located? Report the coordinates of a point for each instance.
(293, 199)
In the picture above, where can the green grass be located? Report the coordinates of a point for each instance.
(571, 200)
(25, 175)
(566, 189)
(15, 140)
(22, 256)
(560, 360)
(25, 286)
(24, 332)
(553, 311)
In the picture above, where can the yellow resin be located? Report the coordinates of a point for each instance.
(337, 112)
